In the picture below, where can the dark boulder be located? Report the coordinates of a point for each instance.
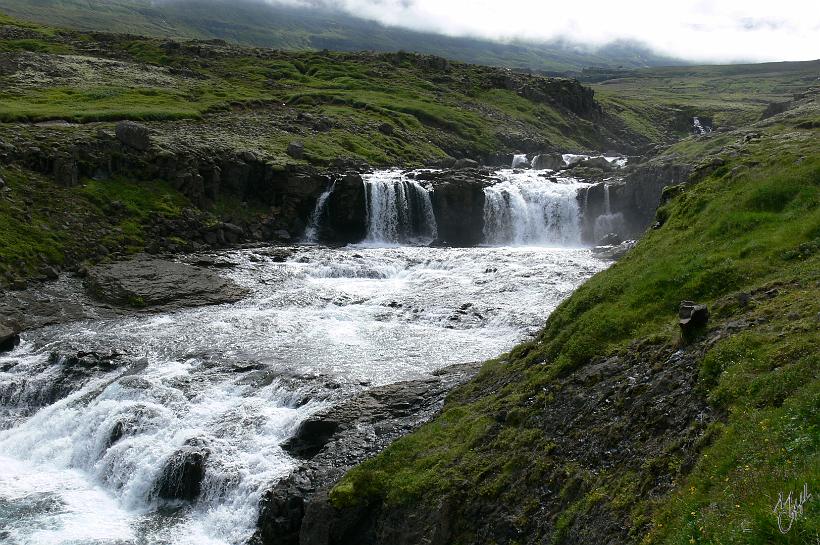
(311, 436)
(692, 318)
(183, 473)
(148, 282)
(9, 338)
(548, 162)
(296, 150)
(596, 162)
(465, 163)
(133, 135)
(386, 129)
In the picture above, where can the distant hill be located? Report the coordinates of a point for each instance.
(256, 23)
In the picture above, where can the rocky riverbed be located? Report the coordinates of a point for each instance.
(171, 423)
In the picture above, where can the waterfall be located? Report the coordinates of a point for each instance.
(700, 128)
(526, 209)
(607, 222)
(399, 210)
(520, 160)
(312, 231)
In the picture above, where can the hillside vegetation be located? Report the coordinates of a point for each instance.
(266, 24)
(611, 428)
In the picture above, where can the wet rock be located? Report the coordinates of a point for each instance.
(183, 473)
(148, 282)
(346, 211)
(596, 162)
(312, 435)
(610, 239)
(66, 172)
(343, 436)
(296, 150)
(548, 162)
(9, 338)
(614, 252)
(465, 163)
(133, 135)
(692, 318)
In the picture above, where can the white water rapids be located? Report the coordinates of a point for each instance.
(239, 378)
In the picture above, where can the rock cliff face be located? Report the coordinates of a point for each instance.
(333, 441)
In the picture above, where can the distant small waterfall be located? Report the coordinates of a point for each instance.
(608, 222)
(526, 209)
(312, 231)
(520, 160)
(700, 128)
(399, 210)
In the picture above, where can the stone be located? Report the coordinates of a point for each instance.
(9, 338)
(596, 162)
(387, 129)
(150, 282)
(692, 318)
(465, 163)
(66, 172)
(183, 473)
(547, 162)
(610, 239)
(133, 135)
(296, 150)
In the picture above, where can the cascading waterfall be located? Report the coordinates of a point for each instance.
(520, 160)
(700, 128)
(607, 222)
(527, 209)
(399, 210)
(312, 231)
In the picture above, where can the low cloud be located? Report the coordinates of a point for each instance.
(701, 30)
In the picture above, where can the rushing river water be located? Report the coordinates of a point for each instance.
(238, 379)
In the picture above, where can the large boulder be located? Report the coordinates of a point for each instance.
(148, 282)
(9, 338)
(133, 135)
(548, 161)
(296, 150)
(183, 473)
(465, 163)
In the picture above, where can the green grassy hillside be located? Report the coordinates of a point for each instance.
(744, 240)
(257, 23)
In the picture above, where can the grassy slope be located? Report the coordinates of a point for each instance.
(458, 108)
(256, 23)
(752, 224)
(731, 96)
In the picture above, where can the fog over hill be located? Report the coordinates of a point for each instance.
(321, 25)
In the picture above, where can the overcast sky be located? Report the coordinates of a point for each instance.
(706, 30)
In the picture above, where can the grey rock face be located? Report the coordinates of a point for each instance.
(337, 439)
(547, 162)
(159, 283)
(296, 150)
(9, 338)
(465, 163)
(133, 135)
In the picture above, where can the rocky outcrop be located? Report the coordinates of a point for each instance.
(9, 338)
(147, 282)
(458, 204)
(133, 135)
(335, 440)
(628, 411)
(182, 476)
(547, 161)
(346, 215)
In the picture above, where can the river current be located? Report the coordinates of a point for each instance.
(239, 378)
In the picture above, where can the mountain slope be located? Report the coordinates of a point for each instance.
(256, 23)
(612, 426)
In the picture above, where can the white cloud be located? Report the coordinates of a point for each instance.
(707, 30)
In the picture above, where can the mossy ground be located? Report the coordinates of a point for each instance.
(750, 226)
(42, 224)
